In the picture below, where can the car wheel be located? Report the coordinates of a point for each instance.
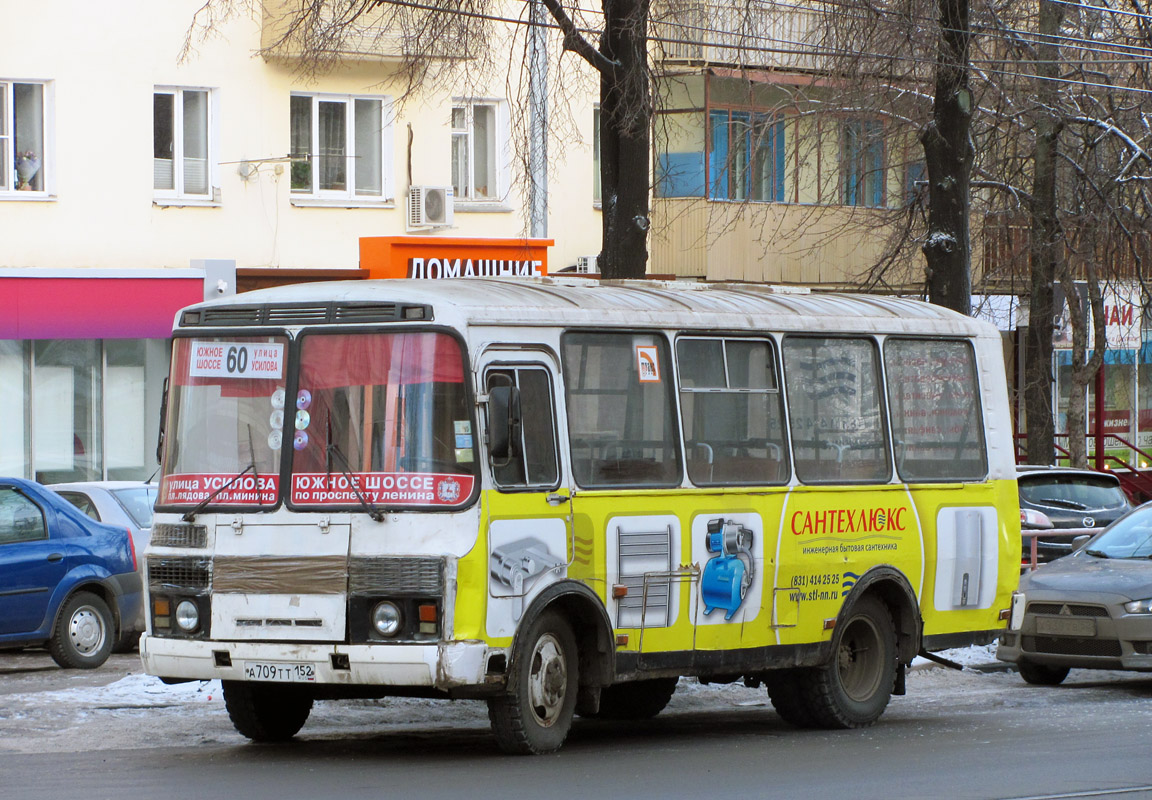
(535, 713)
(84, 633)
(1042, 674)
(264, 712)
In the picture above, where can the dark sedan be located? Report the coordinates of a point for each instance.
(1064, 498)
(1091, 610)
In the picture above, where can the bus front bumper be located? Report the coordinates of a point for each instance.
(443, 666)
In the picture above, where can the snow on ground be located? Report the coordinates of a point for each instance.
(139, 711)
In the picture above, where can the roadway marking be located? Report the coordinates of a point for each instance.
(1093, 793)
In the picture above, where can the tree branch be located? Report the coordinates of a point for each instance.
(575, 41)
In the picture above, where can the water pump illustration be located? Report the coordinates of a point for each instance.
(728, 574)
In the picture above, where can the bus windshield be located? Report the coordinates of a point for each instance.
(382, 419)
(225, 421)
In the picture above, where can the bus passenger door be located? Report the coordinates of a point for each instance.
(529, 503)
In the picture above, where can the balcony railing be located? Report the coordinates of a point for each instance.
(757, 33)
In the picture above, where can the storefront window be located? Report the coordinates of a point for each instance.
(80, 409)
(14, 438)
(66, 434)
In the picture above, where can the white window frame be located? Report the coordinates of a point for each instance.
(466, 198)
(178, 193)
(348, 197)
(47, 171)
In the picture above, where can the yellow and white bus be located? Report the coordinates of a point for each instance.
(560, 497)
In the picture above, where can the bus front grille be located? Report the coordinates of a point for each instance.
(396, 576)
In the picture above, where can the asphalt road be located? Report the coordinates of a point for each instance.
(109, 734)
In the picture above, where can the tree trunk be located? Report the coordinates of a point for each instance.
(948, 155)
(1083, 369)
(1044, 243)
(625, 140)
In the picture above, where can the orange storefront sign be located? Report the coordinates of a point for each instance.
(438, 257)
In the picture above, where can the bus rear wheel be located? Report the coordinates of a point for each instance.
(787, 698)
(535, 714)
(635, 699)
(854, 689)
(265, 712)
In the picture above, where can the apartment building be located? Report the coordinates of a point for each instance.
(135, 180)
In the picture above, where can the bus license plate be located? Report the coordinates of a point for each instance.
(279, 671)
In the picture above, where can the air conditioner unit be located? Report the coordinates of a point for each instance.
(586, 264)
(429, 207)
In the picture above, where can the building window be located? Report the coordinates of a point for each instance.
(915, 181)
(339, 146)
(862, 163)
(181, 143)
(746, 156)
(24, 158)
(477, 150)
(596, 187)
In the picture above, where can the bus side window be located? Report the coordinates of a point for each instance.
(621, 410)
(533, 463)
(934, 403)
(732, 411)
(834, 402)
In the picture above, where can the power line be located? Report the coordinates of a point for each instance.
(801, 49)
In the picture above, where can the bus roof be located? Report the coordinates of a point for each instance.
(558, 301)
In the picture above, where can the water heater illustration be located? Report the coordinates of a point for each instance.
(728, 574)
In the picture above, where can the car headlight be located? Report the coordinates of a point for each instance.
(187, 616)
(1139, 606)
(386, 618)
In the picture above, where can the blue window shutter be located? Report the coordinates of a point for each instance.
(718, 156)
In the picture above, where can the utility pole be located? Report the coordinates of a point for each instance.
(538, 123)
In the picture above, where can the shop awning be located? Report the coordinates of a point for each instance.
(70, 304)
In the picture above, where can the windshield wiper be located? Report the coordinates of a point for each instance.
(333, 449)
(255, 473)
(190, 516)
(1052, 501)
(1097, 553)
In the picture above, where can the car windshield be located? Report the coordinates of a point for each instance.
(138, 502)
(225, 420)
(382, 418)
(1076, 492)
(1129, 537)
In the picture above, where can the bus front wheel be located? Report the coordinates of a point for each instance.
(266, 712)
(853, 690)
(535, 714)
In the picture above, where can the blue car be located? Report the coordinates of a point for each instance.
(66, 580)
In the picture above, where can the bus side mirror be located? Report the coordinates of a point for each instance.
(163, 415)
(503, 422)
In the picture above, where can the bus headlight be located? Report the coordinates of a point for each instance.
(187, 616)
(386, 618)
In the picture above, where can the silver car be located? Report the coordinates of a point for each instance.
(1092, 609)
(126, 503)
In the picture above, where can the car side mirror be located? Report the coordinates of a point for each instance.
(1080, 541)
(503, 422)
